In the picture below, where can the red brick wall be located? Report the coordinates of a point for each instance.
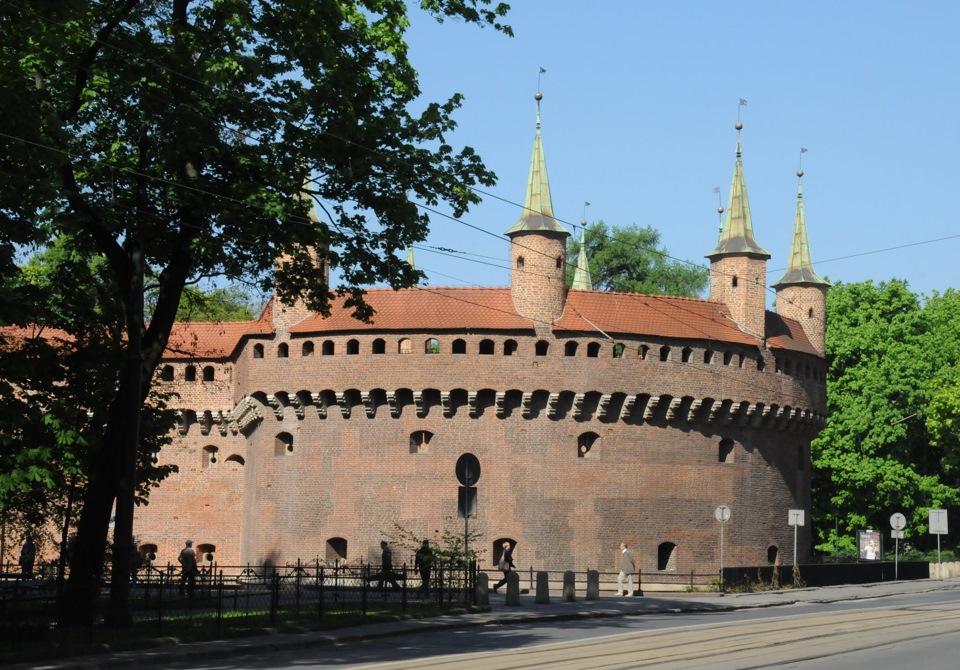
(643, 481)
(748, 298)
(539, 288)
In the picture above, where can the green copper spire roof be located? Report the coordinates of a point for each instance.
(800, 268)
(736, 236)
(538, 208)
(581, 276)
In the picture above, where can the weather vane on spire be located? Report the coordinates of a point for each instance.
(539, 74)
(743, 103)
(583, 222)
(800, 166)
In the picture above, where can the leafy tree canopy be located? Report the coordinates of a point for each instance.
(889, 356)
(630, 259)
(189, 139)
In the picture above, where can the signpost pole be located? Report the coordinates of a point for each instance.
(722, 514)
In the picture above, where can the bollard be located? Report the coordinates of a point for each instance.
(569, 586)
(513, 589)
(482, 591)
(543, 588)
(593, 584)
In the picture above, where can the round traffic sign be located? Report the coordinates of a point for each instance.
(722, 513)
(468, 469)
(898, 521)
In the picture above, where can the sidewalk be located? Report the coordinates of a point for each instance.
(608, 605)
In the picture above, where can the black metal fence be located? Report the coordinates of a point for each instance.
(236, 598)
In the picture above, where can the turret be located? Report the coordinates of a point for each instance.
(738, 265)
(801, 293)
(285, 316)
(538, 247)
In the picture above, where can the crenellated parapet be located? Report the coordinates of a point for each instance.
(684, 411)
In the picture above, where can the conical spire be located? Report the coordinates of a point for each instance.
(581, 276)
(538, 208)
(410, 260)
(800, 267)
(736, 236)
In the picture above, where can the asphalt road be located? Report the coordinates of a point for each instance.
(915, 630)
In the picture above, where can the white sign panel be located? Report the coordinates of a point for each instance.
(938, 522)
(722, 513)
(795, 517)
(898, 521)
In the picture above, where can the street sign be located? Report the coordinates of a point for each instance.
(468, 469)
(898, 522)
(938, 522)
(795, 517)
(896, 534)
(722, 513)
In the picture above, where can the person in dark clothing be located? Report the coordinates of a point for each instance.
(386, 573)
(505, 565)
(28, 554)
(188, 569)
(423, 562)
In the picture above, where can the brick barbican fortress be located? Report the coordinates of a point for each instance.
(596, 417)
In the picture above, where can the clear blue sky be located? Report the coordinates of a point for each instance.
(640, 102)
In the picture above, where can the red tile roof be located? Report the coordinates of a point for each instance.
(425, 308)
(655, 315)
(212, 340)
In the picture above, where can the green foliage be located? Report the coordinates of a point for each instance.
(630, 259)
(447, 545)
(892, 371)
(180, 142)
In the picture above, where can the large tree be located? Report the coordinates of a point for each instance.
(889, 353)
(187, 139)
(631, 259)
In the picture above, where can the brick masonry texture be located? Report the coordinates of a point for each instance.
(653, 474)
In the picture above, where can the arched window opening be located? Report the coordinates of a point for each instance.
(727, 357)
(559, 262)
(773, 554)
(258, 351)
(486, 347)
(618, 350)
(664, 354)
(498, 547)
(326, 349)
(190, 374)
(519, 262)
(585, 443)
(208, 373)
(353, 347)
(283, 444)
(283, 350)
(725, 452)
(509, 347)
(733, 282)
(148, 552)
(459, 346)
(593, 349)
(760, 365)
(570, 348)
(687, 352)
(542, 348)
(810, 313)
(788, 367)
(235, 459)
(206, 551)
(420, 442)
(667, 557)
(406, 346)
(642, 352)
(166, 374)
(336, 550)
(307, 349)
(379, 346)
(209, 456)
(431, 346)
